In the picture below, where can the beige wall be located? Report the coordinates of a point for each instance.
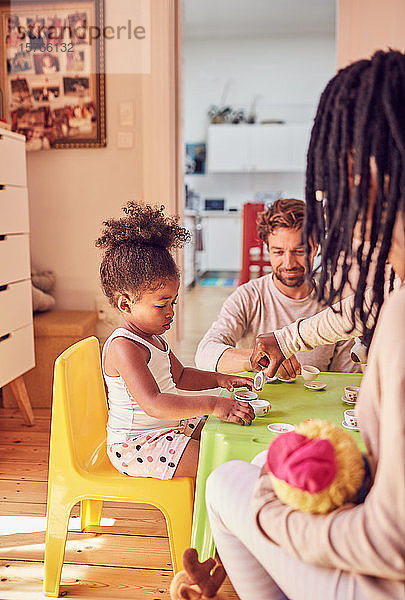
(73, 191)
(364, 26)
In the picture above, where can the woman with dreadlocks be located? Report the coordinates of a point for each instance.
(355, 193)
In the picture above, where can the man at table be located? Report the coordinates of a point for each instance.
(272, 301)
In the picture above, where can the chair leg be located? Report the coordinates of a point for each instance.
(55, 541)
(90, 514)
(179, 519)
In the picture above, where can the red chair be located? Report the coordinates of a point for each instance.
(254, 260)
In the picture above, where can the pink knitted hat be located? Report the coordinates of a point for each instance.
(304, 463)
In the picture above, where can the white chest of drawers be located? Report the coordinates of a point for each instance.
(16, 321)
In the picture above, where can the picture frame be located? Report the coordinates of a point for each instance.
(195, 158)
(52, 72)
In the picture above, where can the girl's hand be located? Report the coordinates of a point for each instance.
(233, 411)
(230, 382)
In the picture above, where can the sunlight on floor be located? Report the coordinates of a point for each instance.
(23, 524)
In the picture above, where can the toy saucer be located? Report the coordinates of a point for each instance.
(348, 401)
(347, 426)
(280, 427)
(287, 380)
(245, 396)
(315, 385)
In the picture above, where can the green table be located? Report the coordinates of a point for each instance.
(291, 403)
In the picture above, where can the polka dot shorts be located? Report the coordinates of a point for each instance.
(152, 453)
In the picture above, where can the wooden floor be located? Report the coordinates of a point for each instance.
(129, 558)
(201, 307)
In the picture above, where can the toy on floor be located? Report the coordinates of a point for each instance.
(196, 582)
(42, 286)
(317, 467)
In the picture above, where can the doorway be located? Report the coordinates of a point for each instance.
(252, 72)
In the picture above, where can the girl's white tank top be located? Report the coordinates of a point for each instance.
(125, 416)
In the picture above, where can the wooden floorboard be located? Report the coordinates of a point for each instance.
(21, 471)
(100, 549)
(26, 438)
(14, 413)
(136, 520)
(8, 424)
(128, 556)
(23, 453)
(23, 581)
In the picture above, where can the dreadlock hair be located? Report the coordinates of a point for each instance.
(137, 251)
(284, 212)
(360, 117)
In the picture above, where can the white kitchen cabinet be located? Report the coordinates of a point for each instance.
(269, 148)
(228, 148)
(222, 242)
(299, 139)
(262, 148)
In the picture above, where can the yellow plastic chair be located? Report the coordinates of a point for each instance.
(80, 471)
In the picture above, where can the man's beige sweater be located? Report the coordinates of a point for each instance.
(259, 307)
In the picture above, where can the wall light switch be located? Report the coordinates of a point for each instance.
(125, 139)
(126, 114)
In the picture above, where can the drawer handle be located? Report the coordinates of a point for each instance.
(3, 288)
(2, 238)
(3, 338)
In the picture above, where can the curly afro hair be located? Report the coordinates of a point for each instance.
(137, 251)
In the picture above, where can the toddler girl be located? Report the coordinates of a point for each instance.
(153, 431)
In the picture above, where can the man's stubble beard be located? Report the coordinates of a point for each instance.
(298, 282)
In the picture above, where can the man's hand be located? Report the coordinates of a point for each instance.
(268, 357)
(290, 368)
(234, 360)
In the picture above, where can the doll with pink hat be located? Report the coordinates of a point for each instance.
(317, 467)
